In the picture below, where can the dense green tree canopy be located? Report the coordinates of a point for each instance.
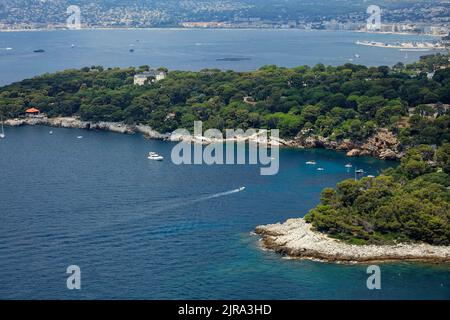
(408, 203)
(349, 101)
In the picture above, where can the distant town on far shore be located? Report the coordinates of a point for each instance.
(418, 17)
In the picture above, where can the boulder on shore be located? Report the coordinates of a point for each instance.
(354, 153)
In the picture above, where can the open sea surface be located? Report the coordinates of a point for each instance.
(153, 230)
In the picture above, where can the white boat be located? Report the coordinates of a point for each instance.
(311, 163)
(50, 132)
(359, 171)
(2, 133)
(155, 156)
(349, 165)
(357, 55)
(80, 137)
(320, 169)
(241, 188)
(370, 176)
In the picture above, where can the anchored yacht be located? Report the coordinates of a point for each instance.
(155, 156)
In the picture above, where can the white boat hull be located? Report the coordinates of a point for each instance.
(156, 158)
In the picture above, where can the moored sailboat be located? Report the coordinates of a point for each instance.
(2, 133)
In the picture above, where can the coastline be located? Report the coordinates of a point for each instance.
(147, 131)
(296, 239)
(383, 145)
(75, 123)
(200, 28)
(423, 46)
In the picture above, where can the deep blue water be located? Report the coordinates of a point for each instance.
(154, 230)
(190, 49)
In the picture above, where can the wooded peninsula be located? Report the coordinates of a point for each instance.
(349, 103)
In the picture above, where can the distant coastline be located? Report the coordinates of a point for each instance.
(399, 33)
(406, 46)
(225, 28)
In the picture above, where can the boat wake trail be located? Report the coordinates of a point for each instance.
(125, 223)
(139, 223)
(190, 200)
(220, 194)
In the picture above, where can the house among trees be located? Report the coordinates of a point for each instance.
(32, 112)
(149, 76)
(250, 101)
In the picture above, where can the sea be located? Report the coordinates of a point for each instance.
(188, 49)
(141, 229)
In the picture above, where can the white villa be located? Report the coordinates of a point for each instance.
(141, 78)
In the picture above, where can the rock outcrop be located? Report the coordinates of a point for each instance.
(383, 144)
(297, 239)
(149, 133)
(354, 153)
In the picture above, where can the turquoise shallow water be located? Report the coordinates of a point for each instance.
(154, 230)
(190, 49)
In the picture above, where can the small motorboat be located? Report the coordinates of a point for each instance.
(50, 132)
(349, 165)
(370, 176)
(359, 171)
(320, 169)
(311, 163)
(80, 137)
(241, 188)
(155, 156)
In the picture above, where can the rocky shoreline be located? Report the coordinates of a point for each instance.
(147, 131)
(296, 239)
(75, 123)
(383, 145)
